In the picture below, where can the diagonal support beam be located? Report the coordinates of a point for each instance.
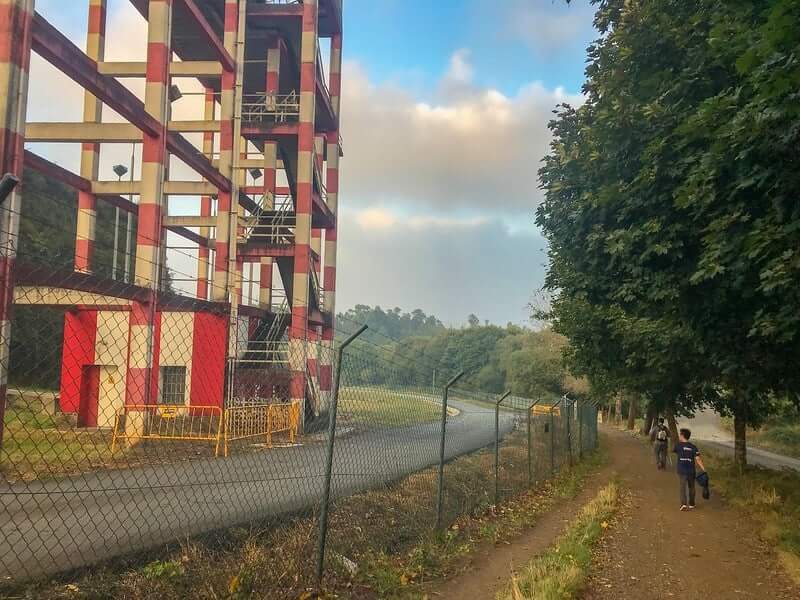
(53, 171)
(59, 51)
(208, 33)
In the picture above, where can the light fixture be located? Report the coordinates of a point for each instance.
(120, 171)
(7, 185)
(175, 93)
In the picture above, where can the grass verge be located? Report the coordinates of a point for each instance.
(772, 498)
(560, 572)
(384, 406)
(381, 543)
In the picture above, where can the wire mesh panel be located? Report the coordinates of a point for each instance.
(142, 420)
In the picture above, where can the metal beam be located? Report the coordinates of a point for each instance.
(59, 51)
(57, 296)
(189, 188)
(207, 32)
(171, 188)
(190, 221)
(53, 171)
(256, 253)
(82, 132)
(195, 126)
(183, 149)
(189, 68)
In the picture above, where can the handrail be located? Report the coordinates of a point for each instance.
(278, 107)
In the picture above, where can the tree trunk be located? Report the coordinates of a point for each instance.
(631, 413)
(618, 410)
(740, 434)
(673, 426)
(648, 420)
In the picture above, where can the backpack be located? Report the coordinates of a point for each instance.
(661, 436)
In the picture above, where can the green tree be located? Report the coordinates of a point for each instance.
(671, 202)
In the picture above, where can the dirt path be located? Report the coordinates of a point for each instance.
(492, 565)
(711, 553)
(657, 551)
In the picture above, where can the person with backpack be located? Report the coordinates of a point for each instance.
(688, 461)
(659, 435)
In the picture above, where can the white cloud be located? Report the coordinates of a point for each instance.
(381, 218)
(446, 269)
(546, 27)
(460, 70)
(478, 148)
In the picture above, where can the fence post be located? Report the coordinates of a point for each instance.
(552, 441)
(440, 494)
(568, 418)
(326, 492)
(595, 434)
(530, 462)
(497, 445)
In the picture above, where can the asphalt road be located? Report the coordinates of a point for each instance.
(708, 432)
(52, 526)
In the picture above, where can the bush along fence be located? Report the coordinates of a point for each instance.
(264, 491)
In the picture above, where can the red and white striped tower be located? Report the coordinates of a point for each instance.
(303, 202)
(15, 56)
(205, 202)
(329, 258)
(270, 181)
(151, 202)
(226, 208)
(90, 151)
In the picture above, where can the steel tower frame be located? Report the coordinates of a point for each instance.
(260, 65)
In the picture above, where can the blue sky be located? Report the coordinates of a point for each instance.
(445, 105)
(410, 42)
(468, 86)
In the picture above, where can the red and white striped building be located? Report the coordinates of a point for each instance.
(270, 113)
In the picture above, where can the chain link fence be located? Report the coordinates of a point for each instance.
(157, 442)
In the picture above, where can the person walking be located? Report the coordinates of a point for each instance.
(688, 461)
(659, 435)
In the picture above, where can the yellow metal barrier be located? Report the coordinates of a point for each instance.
(168, 422)
(545, 410)
(243, 422)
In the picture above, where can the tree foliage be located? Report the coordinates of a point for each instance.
(495, 359)
(393, 323)
(672, 205)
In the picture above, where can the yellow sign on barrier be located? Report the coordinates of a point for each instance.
(168, 422)
(541, 410)
(242, 422)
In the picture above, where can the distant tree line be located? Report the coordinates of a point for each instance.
(392, 323)
(495, 359)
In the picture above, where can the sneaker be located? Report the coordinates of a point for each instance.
(691, 507)
(684, 507)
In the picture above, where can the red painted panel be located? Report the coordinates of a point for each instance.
(325, 377)
(208, 359)
(90, 396)
(80, 333)
(154, 373)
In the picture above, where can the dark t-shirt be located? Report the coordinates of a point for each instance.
(686, 452)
